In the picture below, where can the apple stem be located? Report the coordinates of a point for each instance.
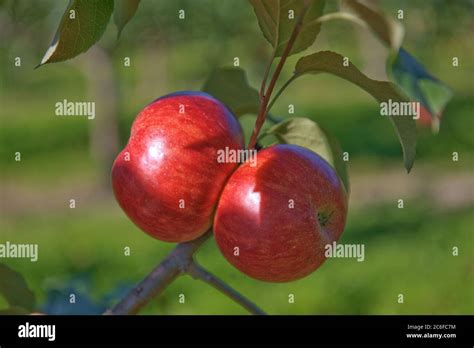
(280, 91)
(265, 75)
(265, 97)
(179, 261)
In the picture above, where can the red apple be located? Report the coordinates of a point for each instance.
(275, 218)
(167, 179)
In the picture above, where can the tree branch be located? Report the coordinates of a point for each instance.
(157, 281)
(197, 272)
(265, 75)
(179, 261)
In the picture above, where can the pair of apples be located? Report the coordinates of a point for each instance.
(271, 219)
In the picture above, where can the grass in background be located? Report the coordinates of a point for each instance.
(409, 251)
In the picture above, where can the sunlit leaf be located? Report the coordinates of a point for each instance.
(124, 10)
(307, 133)
(277, 18)
(14, 289)
(82, 25)
(382, 91)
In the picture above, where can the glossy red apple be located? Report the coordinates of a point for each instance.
(167, 179)
(274, 220)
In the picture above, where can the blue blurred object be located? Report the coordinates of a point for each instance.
(58, 297)
(418, 84)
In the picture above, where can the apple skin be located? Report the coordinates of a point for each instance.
(277, 243)
(172, 156)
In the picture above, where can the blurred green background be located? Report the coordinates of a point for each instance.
(408, 251)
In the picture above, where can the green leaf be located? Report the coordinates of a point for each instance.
(124, 11)
(14, 289)
(387, 30)
(382, 91)
(307, 133)
(268, 16)
(230, 86)
(277, 22)
(82, 25)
